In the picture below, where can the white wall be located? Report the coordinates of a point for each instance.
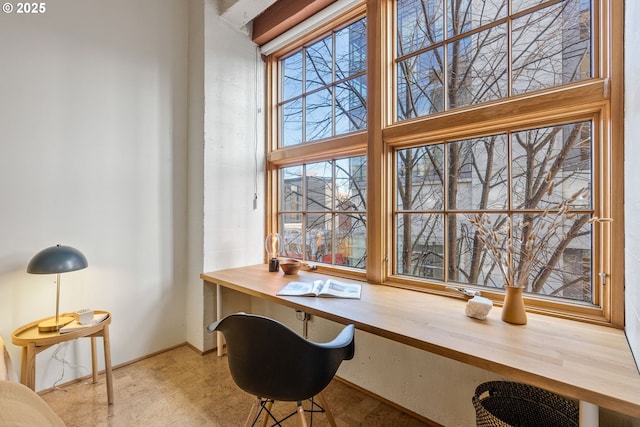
(632, 174)
(93, 126)
(226, 159)
(195, 173)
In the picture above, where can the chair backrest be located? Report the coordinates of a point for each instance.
(269, 360)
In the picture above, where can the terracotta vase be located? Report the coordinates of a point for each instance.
(513, 310)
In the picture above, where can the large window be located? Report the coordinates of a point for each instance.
(494, 114)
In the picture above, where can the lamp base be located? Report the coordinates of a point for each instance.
(274, 265)
(49, 325)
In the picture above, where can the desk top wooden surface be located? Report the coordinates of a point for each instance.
(584, 361)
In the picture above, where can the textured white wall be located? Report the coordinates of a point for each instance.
(195, 173)
(226, 159)
(93, 136)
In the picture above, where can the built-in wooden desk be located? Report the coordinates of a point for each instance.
(587, 362)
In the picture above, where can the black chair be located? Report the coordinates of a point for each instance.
(272, 362)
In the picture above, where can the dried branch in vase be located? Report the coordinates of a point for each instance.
(516, 253)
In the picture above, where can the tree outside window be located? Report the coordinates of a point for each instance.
(453, 55)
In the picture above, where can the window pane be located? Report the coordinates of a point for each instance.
(544, 264)
(420, 178)
(466, 15)
(291, 123)
(291, 198)
(318, 115)
(318, 233)
(420, 245)
(350, 203)
(318, 64)
(351, 240)
(420, 85)
(293, 244)
(291, 189)
(552, 46)
(471, 263)
(419, 24)
(477, 67)
(550, 165)
(351, 184)
(319, 182)
(351, 50)
(351, 105)
(292, 76)
(322, 211)
(478, 173)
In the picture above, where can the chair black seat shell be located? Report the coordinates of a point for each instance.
(269, 360)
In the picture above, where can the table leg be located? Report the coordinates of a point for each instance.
(219, 342)
(28, 366)
(589, 414)
(94, 360)
(107, 364)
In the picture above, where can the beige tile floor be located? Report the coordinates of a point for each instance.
(182, 388)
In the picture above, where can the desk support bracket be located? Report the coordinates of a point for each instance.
(304, 317)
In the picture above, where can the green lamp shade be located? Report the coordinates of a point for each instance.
(57, 259)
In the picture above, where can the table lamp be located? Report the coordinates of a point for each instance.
(272, 246)
(56, 259)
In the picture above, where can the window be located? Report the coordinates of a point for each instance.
(506, 110)
(516, 178)
(322, 99)
(324, 87)
(533, 175)
(451, 55)
(322, 212)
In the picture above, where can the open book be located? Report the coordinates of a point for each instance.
(320, 288)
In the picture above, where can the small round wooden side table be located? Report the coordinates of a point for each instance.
(33, 342)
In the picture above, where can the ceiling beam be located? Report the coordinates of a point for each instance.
(282, 16)
(239, 13)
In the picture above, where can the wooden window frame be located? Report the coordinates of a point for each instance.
(600, 98)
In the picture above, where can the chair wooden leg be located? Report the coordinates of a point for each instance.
(268, 407)
(252, 412)
(303, 419)
(325, 405)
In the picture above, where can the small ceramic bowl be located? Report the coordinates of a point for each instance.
(290, 266)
